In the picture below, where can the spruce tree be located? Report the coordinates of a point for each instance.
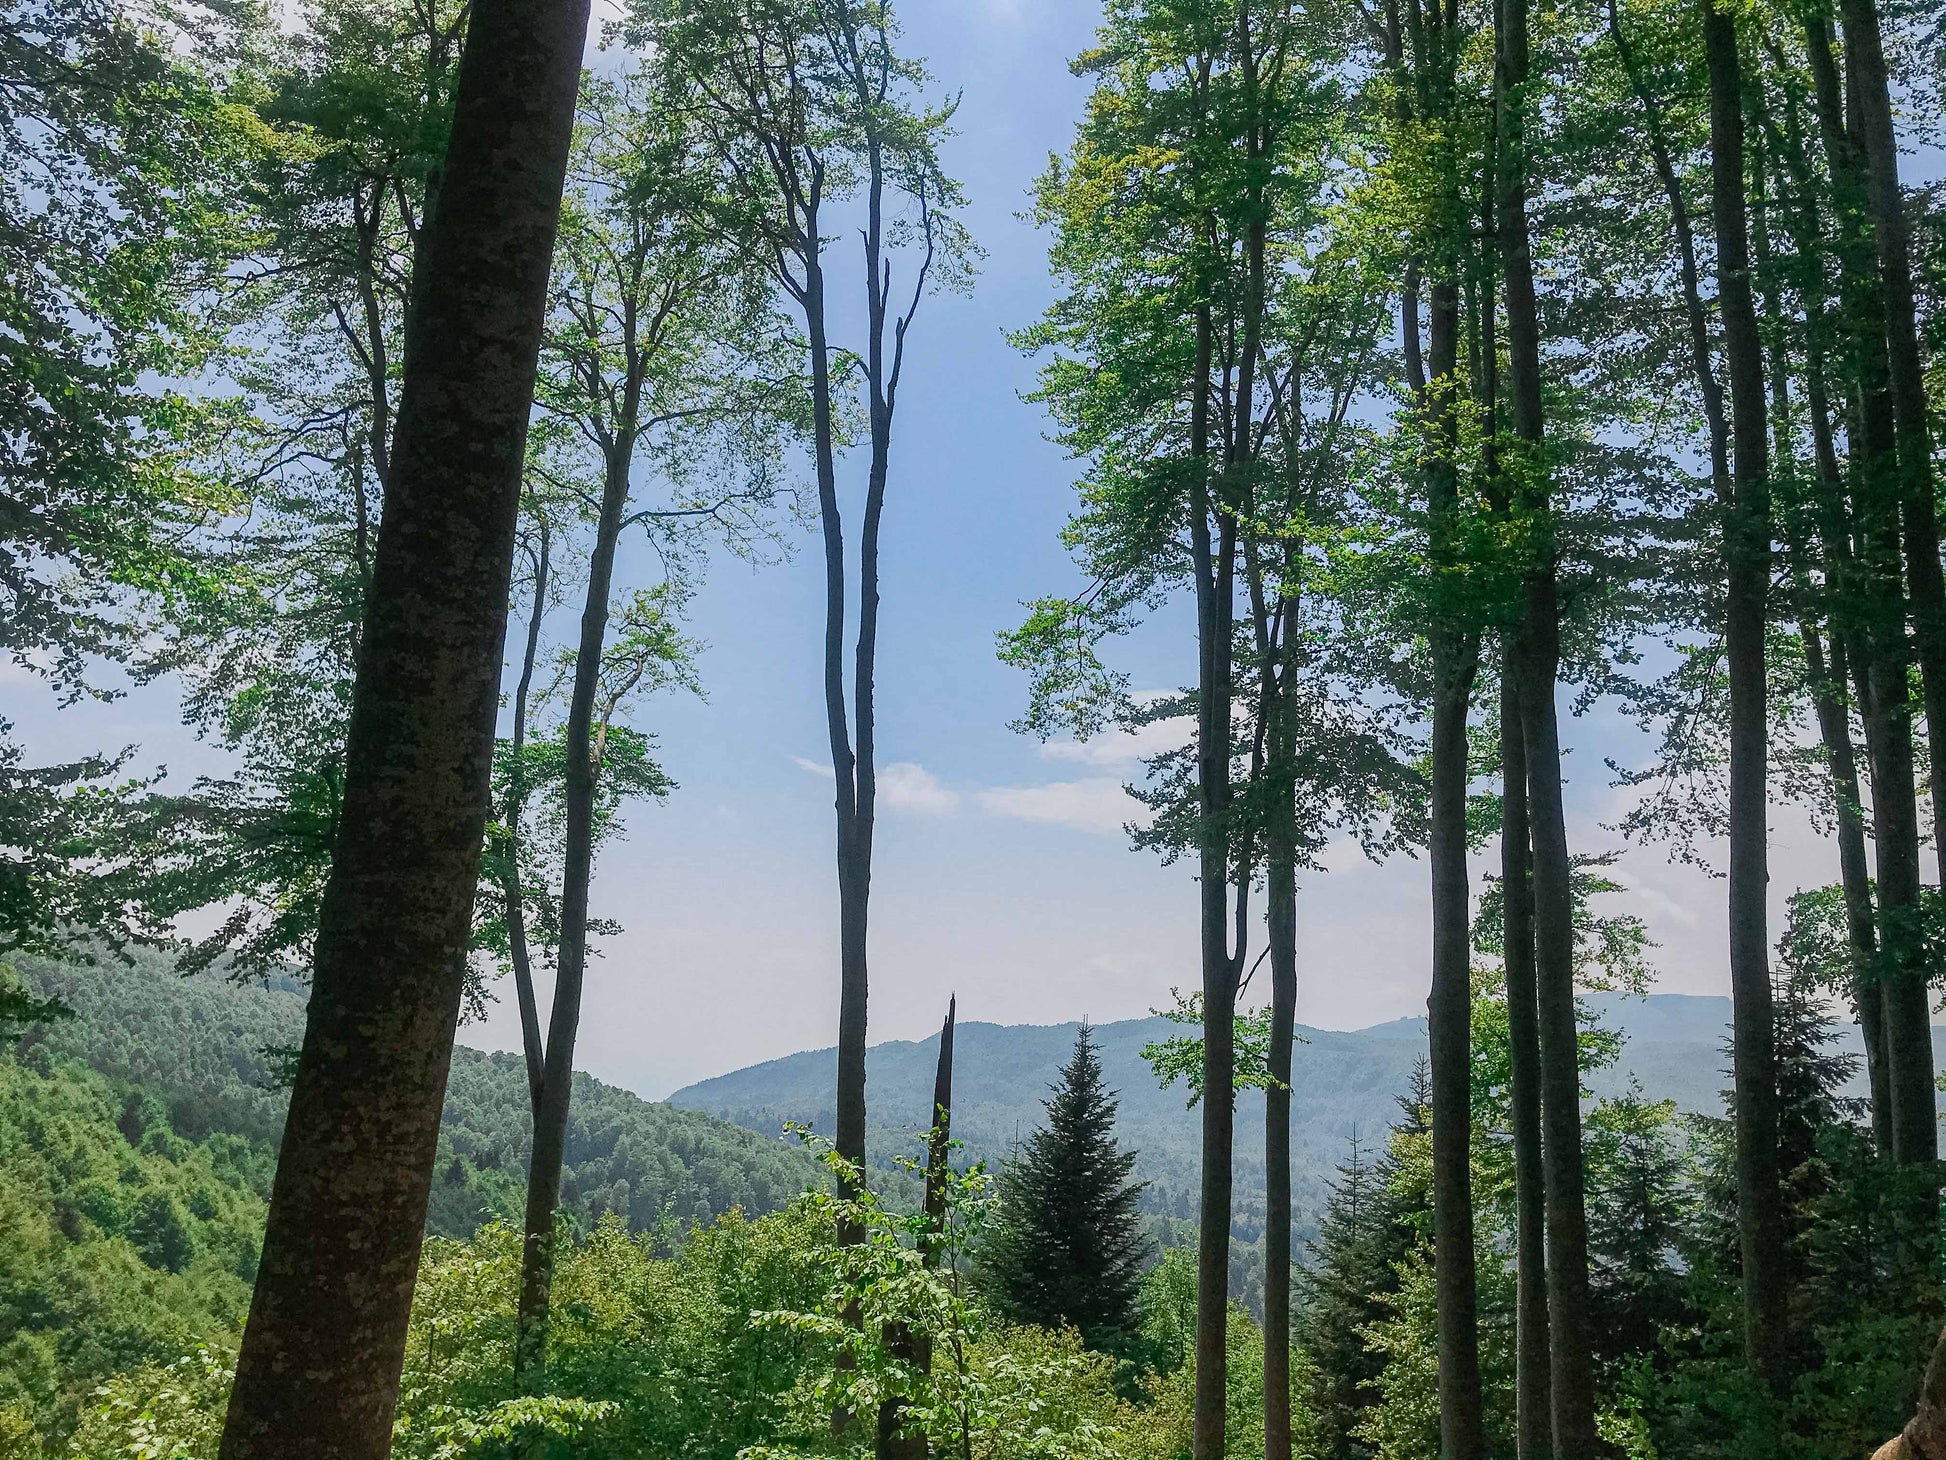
(1067, 1247)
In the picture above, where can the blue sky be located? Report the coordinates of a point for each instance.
(1001, 873)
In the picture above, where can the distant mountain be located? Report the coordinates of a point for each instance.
(1343, 1082)
(208, 1052)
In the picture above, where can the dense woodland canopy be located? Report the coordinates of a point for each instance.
(1444, 369)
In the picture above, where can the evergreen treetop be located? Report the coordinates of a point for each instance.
(1068, 1248)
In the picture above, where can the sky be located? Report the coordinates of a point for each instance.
(1002, 873)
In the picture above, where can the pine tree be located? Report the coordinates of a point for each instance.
(1067, 1247)
(1370, 1227)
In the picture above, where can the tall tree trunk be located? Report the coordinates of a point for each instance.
(1280, 917)
(1533, 1409)
(1214, 563)
(1878, 142)
(1455, 650)
(1746, 551)
(1908, 1013)
(519, 950)
(1571, 1366)
(577, 871)
(1876, 491)
(318, 1372)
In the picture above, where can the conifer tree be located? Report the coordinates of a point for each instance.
(1067, 1247)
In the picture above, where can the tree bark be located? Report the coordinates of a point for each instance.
(319, 1367)
(1746, 551)
(1533, 1409)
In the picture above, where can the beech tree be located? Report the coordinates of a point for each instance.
(813, 115)
(662, 361)
(318, 1371)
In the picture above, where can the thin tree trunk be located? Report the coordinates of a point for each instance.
(1876, 494)
(1533, 1410)
(1831, 679)
(318, 1372)
(577, 871)
(1854, 872)
(520, 954)
(1281, 934)
(1450, 1007)
(1571, 1358)
(1746, 550)
(1214, 566)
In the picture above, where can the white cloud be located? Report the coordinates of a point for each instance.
(815, 767)
(904, 786)
(1124, 748)
(1098, 804)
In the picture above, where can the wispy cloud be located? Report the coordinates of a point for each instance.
(907, 786)
(815, 767)
(1098, 804)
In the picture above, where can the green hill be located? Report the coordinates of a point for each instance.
(212, 1053)
(138, 1140)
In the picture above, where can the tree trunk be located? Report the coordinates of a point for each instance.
(1455, 650)
(318, 1372)
(1746, 551)
(1909, 1015)
(1876, 493)
(1533, 1412)
(519, 953)
(1854, 872)
(1280, 916)
(1571, 1359)
(1214, 564)
(577, 871)
(1878, 142)
(1449, 1010)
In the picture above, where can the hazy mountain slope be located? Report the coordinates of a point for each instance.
(1341, 1082)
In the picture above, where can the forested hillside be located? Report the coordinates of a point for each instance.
(213, 1055)
(138, 1137)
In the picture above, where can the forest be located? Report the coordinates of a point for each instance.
(383, 381)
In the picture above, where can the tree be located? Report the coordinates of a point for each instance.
(319, 1367)
(1747, 554)
(809, 108)
(1067, 1248)
(661, 353)
(267, 652)
(127, 145)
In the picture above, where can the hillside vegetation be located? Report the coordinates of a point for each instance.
(138, 1139)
